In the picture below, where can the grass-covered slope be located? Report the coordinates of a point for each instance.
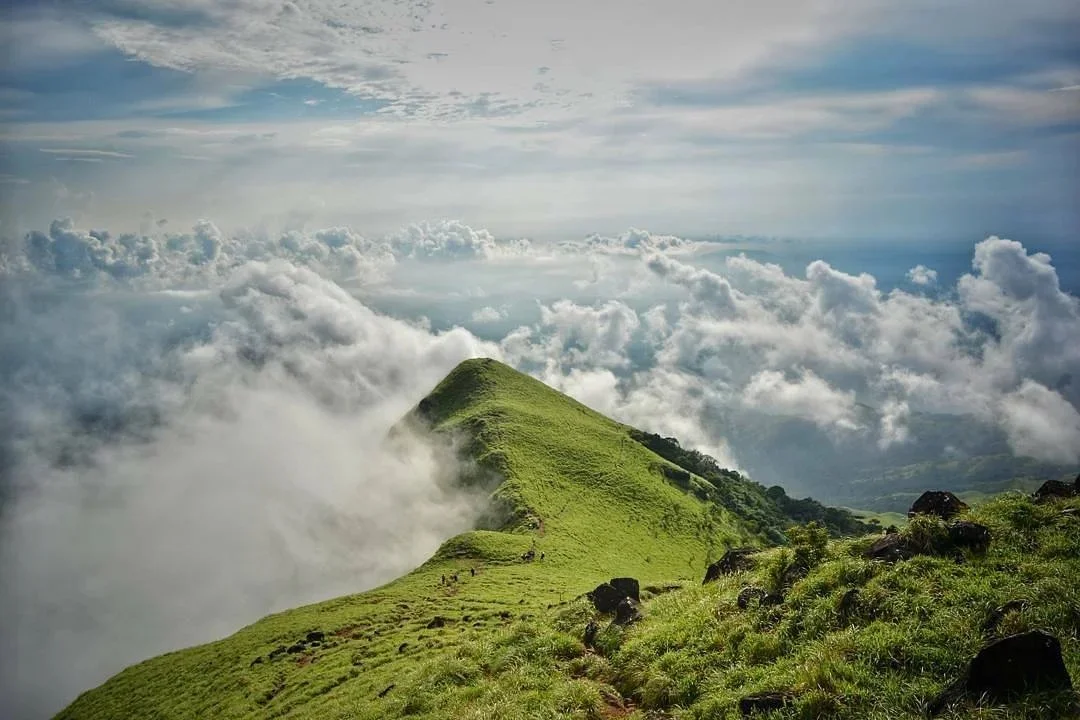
(568, 483)
(909, 631)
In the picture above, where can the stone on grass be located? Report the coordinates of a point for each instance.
(733, 561)
(1007, 668)
(941, 503)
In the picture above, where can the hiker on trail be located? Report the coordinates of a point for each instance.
(472, 571)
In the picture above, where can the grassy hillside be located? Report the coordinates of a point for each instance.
(568, 483)
(504, 640)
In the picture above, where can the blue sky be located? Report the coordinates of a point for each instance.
(946, 120)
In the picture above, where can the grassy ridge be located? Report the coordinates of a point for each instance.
(506, 642)
(571, 484)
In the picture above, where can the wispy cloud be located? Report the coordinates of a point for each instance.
(86, 153)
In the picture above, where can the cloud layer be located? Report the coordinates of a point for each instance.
(223, 398)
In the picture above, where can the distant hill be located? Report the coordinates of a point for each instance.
(493, 625)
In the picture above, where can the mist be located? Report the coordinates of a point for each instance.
(169, 478)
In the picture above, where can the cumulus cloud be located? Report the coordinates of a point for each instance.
(488, 314)
(633, 242)
(922, 275)
(804, 396)
(203, 255)
(453, 240)
(1041, 423)
(176, 465)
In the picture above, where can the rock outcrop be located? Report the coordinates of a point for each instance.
(606, 597)
(733, 561)
(1007, 668)
(941, 503)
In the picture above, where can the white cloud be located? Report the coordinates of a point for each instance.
(89, 154)
(804, 396)
(231, 457)
(488, 314)
(451, 240)
(1040, 423)
(922, 275)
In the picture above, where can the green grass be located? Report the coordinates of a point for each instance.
(507, 642)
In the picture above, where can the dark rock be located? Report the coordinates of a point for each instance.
(628, 587)
(891, 548)
(401, 647)
(256, 661)
(1007, 668)
(315, 636)
(849, 602)
(996, 615)
(590, 633)
(297, 648)
(605, 598)
(628, 611)
(941, 503)
(278, 651)
(436, 622)
(384, 691)
(748, 594)
(969, 535)
(1054, 489)
(733, 561)
(763, 703)
(506, 614)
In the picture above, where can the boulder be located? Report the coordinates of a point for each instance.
(628, 587)
(969, 535)
(1054, 489)
(763, 703)
(1007, 668)
(733, 561)
(315, 636)
(627, 612)
(605, 598)
(941, 503)
(891, 548)
(436, 622)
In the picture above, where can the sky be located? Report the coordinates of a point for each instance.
(240, 239)
(816, 118)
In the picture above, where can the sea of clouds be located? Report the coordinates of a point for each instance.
(193, 423)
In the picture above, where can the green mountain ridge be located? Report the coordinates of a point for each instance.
(491, 626)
